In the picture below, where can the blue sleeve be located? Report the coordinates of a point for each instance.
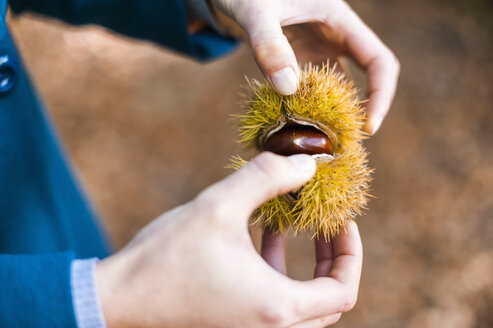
(160, 21)
(35, 291)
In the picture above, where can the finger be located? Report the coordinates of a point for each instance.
(273, 250)
(383, 74)
(348, 257)
(271, 48)
(338, 291)
(371, 54)
(319, 322)
(324, 257)
(266, 176)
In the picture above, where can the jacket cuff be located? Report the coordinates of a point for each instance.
(85, 297)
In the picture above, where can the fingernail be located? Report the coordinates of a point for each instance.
(376, 125)
(285, 81)
(304, 163)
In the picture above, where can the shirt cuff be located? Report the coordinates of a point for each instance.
(85, 297)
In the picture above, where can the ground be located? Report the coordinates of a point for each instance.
(147, 130)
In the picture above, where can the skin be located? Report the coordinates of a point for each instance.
(284, 33)
(334, 31)
(196, 266)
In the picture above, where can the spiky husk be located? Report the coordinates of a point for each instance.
(339, 189)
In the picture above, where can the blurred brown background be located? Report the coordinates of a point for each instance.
(147, 130)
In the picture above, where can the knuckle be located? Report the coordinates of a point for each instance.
(278, 311)
(348, 302)
(274, 316)
(273, 51)
(326, 321)
(333, 319)
(210, 206)
(218, 210)
(344, 5)
(298, 307)
(267, 165)
(270, 42)
(397, 63)
(394, 62)
(336, 17)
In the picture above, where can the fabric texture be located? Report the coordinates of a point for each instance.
(45, 219)
(85, 298)
(35, 291)
(42, 207)
(160, 21)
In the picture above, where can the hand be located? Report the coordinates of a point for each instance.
(339, 31)
(196, 266)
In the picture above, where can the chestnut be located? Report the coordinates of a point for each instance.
(298, 139)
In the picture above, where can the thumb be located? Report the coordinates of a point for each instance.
(265, 177)
(272, 50)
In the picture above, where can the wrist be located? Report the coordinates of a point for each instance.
(113, 292)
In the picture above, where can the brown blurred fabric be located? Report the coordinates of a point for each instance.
(147, 130)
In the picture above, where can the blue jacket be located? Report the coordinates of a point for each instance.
(45, 220)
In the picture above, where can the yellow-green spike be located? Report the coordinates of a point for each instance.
(339, 189)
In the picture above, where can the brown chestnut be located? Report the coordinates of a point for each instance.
(298, 139)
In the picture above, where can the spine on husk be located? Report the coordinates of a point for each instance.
(326, 105)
